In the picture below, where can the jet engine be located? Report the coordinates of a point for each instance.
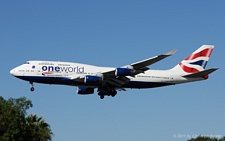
(124, 72)
(89, 79)
(84, 90)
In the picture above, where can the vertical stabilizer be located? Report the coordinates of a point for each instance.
(195, 62)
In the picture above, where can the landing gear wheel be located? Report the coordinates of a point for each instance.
(114, 93)
(32, 86)
(32, 89)
(102, 96)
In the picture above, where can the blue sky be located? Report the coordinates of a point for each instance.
(117, 33)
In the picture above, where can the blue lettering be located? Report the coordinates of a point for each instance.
(70, 69)
(57, 69)
(81, 70)
(50, 68)
(75, 69)
(44, 68)
(63, 69)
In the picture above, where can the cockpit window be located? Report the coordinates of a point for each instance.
(27, 62)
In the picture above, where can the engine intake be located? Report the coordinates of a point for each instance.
(85, 90)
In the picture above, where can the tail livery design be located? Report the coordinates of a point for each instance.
(197, 61)
(194, 65)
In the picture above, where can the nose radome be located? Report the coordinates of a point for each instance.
(12, 71)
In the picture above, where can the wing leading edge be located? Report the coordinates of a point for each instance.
(139, 67)
(150, 61)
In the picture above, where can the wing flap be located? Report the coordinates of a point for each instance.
(118, 82)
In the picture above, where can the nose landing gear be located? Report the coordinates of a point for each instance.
(32, 86)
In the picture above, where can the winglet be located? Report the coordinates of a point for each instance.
(171, 52)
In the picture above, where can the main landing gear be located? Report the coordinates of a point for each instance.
(103, 93)
(32, 86)
(102, 96)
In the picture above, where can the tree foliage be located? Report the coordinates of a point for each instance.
(37, 128)
(205, 138)
(15, 125)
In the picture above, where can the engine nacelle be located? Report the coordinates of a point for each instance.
(85, 90)
(124, 72)
(89, 79)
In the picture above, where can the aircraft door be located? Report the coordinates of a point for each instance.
(171, 78)
(39, 71)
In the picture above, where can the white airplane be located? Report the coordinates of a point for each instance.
(108, 80)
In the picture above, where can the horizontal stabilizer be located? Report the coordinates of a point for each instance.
(201, 73)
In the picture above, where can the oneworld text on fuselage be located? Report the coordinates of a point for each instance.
(76, 69)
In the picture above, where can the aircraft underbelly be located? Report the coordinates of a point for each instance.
(54, 80)
(66, 81)
(139, 84)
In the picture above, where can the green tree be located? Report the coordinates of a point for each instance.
(37, 129)
(15, 126)
(12, 117)
(222, 139)
(205, 138)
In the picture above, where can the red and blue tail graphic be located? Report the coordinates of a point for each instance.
(197, 61)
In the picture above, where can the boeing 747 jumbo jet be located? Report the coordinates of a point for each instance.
(108, 80)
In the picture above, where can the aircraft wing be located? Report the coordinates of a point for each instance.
(110, 76)
(141, 66)
(150, 61)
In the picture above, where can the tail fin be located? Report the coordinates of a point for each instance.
(195, 62)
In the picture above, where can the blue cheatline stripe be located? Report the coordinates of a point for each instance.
(67, 81)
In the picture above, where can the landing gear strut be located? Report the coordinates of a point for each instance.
(32, 86)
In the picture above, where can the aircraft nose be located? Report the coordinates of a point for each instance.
(12, 72)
